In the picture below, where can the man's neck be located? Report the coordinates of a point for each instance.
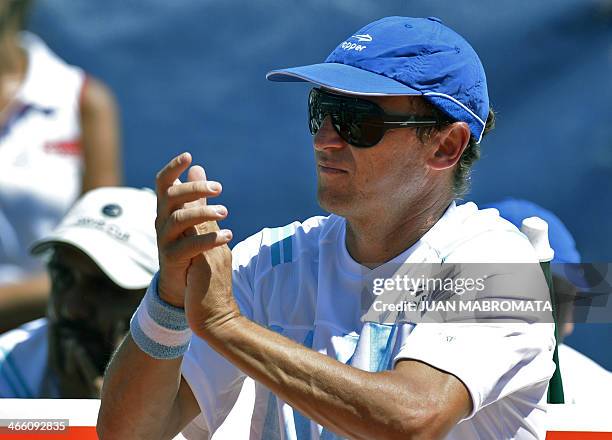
(379, 238)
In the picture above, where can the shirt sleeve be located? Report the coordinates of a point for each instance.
(492, 360)
(245, 257)
(216, 382)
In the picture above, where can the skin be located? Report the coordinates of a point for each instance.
(25, 300)
(100, 143)
(565, 292)
(88, 316)
(407, 180)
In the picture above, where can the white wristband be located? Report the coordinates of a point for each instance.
(158, 328)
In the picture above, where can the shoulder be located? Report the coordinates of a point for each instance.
(96, 98)
(40, 53)
(50, 81)
(470, 234)
(22, 334)
(572, 360)
(283, 244)
(23, 354)
(584, 380)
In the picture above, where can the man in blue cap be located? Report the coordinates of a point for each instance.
(397, 112)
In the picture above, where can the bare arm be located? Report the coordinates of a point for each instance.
(144, 398)
(23, 301)
(99, 136)
(413, 401)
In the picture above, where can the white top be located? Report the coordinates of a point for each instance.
(40, 157)
(585, 382)
(300, 281)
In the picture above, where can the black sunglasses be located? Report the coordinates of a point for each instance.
(359, 122)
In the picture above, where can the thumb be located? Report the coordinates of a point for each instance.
(199, 274)
(194, 174)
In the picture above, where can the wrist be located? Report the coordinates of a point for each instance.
(158, 328)
(219, 328)
(166, 292)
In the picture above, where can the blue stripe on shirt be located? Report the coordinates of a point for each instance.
(9, 365)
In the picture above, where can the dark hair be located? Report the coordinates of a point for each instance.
(461, 180)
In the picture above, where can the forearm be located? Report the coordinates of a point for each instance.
(140, 396)
(23, 301)
(100, 137)
(352, 402)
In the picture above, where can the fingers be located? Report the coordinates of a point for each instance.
(80, 364)
(185, 225)
(195, 174)
(184, 219)
(171, 172)
(186, 248)
(166, 178)
(190, 194)
(172, 194)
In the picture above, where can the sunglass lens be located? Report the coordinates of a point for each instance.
(314, 125)
(348, 123)
(315, 112)
(366, 135)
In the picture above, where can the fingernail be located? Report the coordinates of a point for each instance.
(226, 234)
(220, 210)
(214, 186)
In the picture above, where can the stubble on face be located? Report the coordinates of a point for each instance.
(376, 179)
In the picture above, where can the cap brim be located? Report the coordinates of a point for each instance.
(343, 78)
(111, 257)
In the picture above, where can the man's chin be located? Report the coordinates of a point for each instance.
(334, 203)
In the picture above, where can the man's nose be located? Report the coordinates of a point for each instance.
(327, 137)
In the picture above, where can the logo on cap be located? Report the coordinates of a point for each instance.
(362, 38)
(112, 210)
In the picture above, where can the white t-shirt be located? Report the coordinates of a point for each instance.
(300, 281)
(585, 382)
(40, 157)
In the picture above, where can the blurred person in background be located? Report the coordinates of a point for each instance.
(100, 259)
(583, 379)
(58, 138)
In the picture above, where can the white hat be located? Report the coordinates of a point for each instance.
(115, 227)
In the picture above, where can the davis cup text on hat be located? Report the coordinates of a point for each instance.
(129, 258)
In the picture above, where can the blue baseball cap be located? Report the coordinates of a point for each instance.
(560, 238)
(567, 258)
(405, 56)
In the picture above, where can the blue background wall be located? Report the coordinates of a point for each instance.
(189, 75)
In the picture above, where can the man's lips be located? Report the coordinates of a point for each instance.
(326, 167)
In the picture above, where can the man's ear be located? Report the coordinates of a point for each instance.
(449, 146)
